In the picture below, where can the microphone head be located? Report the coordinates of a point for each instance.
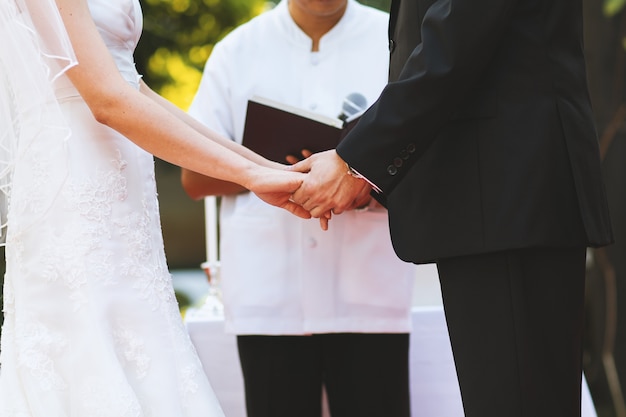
(353, 103)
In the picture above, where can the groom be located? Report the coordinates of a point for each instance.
(483, 149)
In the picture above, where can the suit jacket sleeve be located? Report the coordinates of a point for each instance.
(458, 40)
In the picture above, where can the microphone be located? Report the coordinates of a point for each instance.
(352, 104)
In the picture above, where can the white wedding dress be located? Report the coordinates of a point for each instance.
(92, 327)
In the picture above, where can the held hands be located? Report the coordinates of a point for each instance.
(328, 187)
(317, 186)
(276, 186)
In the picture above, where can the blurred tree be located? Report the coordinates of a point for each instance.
(612, 7)
(178, 37)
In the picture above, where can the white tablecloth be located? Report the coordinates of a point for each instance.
(434, 388)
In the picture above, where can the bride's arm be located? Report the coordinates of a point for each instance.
(197, 185)
(201, 128)
(157, 128)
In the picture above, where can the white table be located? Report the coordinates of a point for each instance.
(434, 388)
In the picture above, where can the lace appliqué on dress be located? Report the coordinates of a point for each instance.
(38, 346)
(132, 349)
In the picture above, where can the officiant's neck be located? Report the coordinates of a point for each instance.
(317, 17)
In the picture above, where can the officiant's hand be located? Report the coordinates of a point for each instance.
(328, 187)
(293, 159)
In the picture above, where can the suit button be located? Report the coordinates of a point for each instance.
(397, 162)
(392, 45)
(410, 148)
(392, 170)
(404, 154)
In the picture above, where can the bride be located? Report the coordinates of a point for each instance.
(92, 327)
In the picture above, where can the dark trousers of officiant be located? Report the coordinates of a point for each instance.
(284, 375)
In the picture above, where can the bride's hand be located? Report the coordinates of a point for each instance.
(275, 187)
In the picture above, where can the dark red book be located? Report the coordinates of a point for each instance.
(275, 130)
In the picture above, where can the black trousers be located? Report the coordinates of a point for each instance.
(365, 375)
(515, 320)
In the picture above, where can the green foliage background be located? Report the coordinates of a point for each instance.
(612, 7)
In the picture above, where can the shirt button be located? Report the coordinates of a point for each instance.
(312, 242)
(392, 170)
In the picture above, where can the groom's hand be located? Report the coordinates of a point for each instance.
(328, 186)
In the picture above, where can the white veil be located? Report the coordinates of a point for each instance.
(35, 50)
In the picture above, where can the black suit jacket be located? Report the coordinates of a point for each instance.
(484, 139)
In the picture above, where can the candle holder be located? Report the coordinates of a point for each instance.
(213, 302)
